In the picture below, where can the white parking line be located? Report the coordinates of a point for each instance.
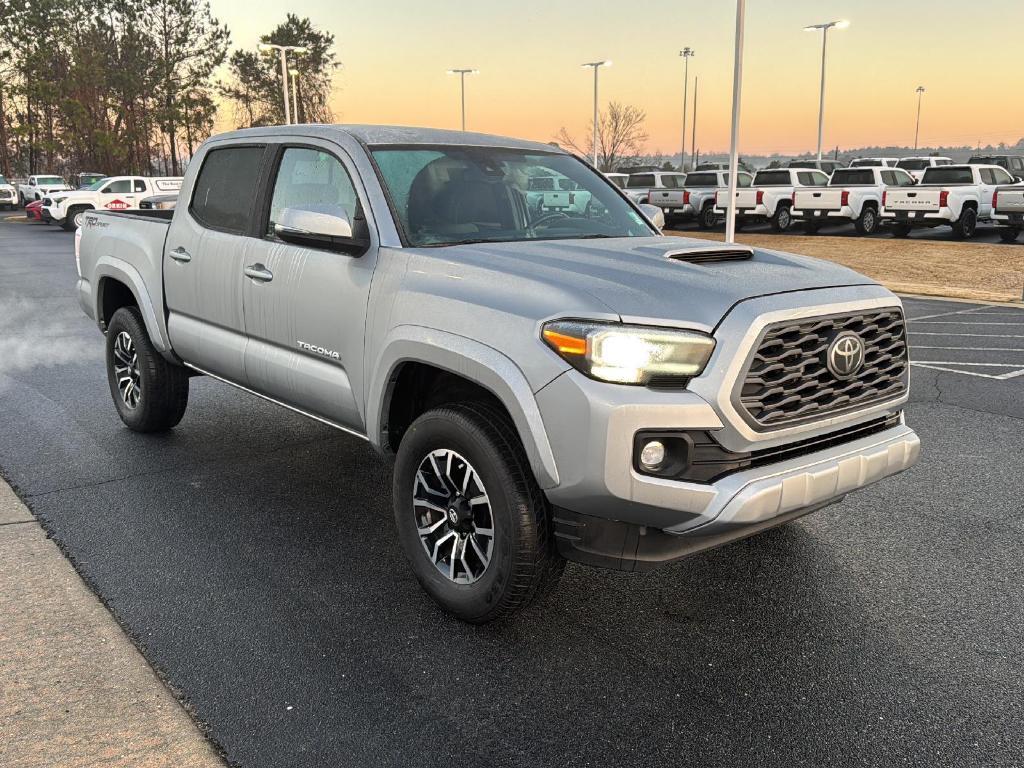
(975, 335)
(959, 322)
(972, 349)
(997, 377)
(943, 314)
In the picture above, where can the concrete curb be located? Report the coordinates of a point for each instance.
(74, 691)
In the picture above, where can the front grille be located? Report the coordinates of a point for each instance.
(788, 380)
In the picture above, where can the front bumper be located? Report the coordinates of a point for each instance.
(603, 503)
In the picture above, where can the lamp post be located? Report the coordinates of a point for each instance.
(462, 83)
(283, 50)
(693, 138)
(295, 96)
(840, 24)
(596, 65)
(917, 128)
(686, 53)
(734, 160)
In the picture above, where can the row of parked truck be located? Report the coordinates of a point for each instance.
(871, 192)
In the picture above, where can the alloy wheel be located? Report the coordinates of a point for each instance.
(126, 370)
(453, 516)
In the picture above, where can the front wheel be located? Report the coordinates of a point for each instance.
(149, 392)
(473, 524)
(74, 217)
(1009, 234)
(965, 227)
(782, 218)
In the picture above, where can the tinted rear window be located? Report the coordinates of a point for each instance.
(949, 175)
(913, 165)
(225, 189)
(850, 177)
(640, 180)
(702, 180)
(772, 179)
(866, 162)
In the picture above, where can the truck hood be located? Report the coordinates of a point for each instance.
(644, 279)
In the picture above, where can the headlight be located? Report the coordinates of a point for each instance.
(629, 354)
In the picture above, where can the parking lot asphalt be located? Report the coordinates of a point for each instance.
(251, 556)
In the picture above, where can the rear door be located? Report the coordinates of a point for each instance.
(305, 316)
(208, 244)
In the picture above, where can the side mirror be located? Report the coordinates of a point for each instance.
(654, 214)
(322, 226)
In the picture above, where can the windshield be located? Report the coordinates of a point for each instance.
(48, 180)
(3, 180)
(97, 184)
(948, 175)
(450, 195)
(913, 165)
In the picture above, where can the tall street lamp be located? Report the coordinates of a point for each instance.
(295, 96)
(462, 82)
(840, 24)
(686, 53)
(283, 50)
(917, 129)
(596, 65)
(734, 137)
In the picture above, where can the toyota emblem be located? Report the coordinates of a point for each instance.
(845, 356)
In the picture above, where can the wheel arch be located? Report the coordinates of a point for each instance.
(471, 364)
(116, 283)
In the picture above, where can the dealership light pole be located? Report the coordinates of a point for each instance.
(596, 65)
(462, 83)
(693, 138)
(283, 50)
(917, 129)
(734, 137)
(294, 72)
(840, 24)
(686, 53)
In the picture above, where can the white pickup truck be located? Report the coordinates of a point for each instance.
(872, 162)
(1008, 212)
(8, 194)
(770, 197)
(852, 194)
(958, 196)
(639, 185)
(117, 193)
(552, 193)
(916, 166)
(697, 197)
(38, 187)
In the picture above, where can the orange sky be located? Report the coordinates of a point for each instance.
(395, 54)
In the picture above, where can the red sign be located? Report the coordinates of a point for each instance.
(117, 205)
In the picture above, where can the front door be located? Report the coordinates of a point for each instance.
(207, 246)
(305, 308)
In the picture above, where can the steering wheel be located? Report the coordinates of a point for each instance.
(549, 217)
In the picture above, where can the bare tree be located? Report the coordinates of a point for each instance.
(622, 135)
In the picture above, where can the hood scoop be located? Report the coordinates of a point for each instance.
(712, 254)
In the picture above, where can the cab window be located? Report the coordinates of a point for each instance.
(313, 180)
(140, 185)
(119, 187)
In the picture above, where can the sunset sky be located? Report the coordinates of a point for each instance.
(396, 52)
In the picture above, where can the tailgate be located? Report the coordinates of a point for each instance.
(665, 197)
(559, 199)
(817, 199)
(745, 198)
(1010, 201)
(912, 199)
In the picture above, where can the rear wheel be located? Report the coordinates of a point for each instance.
(149, 392)
(1009, 234)
(900, 230)
(965, 227)
(782, 218)
(867, 222)
(707, 218)
(473, 524)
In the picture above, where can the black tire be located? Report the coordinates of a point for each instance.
(900, 230)
(782, 218)
(707, 218)
(69, 220)
(162, 386)
(867, 222)
(811, 227)
(1009, 234)
(524, 561)
(965, 227)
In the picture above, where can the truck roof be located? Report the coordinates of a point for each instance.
(393, 134)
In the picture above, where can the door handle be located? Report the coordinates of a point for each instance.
(180, 254)
(258, 272)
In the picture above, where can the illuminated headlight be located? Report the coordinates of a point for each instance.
(629, 354)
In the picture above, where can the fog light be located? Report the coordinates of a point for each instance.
(653, 454)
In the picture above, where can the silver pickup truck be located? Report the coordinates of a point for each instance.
(551, 384)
